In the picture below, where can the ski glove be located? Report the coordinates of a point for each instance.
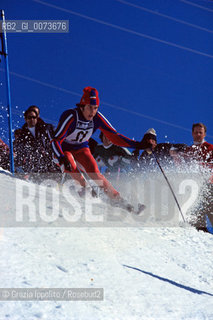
(67, 165)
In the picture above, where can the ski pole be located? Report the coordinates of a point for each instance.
(159, 165)
(86, 177)
(118, 174)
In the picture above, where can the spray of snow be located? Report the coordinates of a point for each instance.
(146, 272)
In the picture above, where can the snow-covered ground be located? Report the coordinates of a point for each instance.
(145, 272)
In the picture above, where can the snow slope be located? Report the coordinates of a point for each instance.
(146, 272)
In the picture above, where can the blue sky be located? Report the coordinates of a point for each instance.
(151, 61)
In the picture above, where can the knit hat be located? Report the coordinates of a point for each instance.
(90, 96)
(150, 134)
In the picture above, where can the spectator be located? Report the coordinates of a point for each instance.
(162, 151)
(200, 152)
(40, 121)
(32, 146)
(4, 156)
(113, 158)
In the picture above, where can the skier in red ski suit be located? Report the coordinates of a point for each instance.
(70, 143)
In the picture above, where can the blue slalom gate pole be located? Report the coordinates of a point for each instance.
(5, 54)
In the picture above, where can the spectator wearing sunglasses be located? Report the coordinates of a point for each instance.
(33, 149)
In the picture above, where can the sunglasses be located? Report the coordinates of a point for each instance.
(31, 117)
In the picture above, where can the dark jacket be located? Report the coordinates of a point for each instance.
(34, 154)
(112, 157)
(162, 153)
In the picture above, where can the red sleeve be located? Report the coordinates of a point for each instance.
(115, 137)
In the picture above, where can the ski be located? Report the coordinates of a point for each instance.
(123, 204)
(141, 208)
(131, 209)
(116, 203)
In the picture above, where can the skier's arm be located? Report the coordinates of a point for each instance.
(65, 122)
(115, 137)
